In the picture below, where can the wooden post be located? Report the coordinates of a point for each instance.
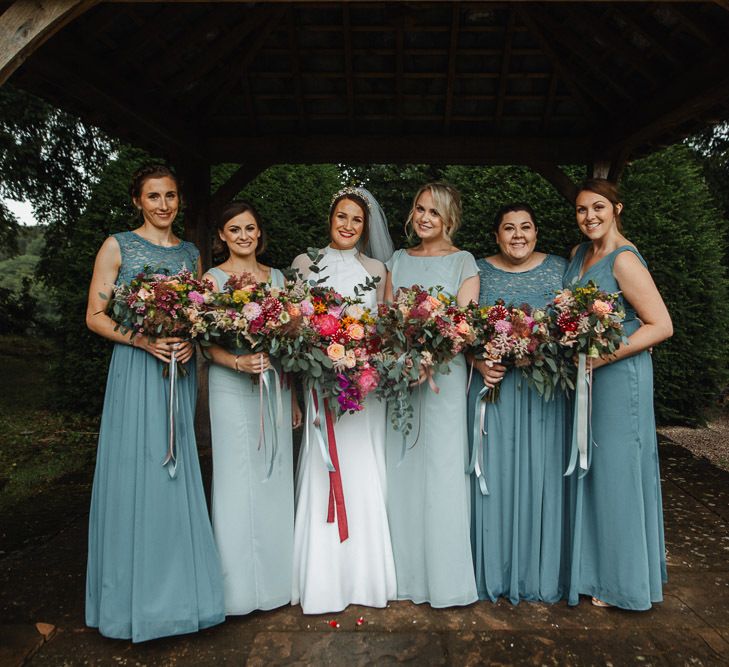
(27, 24)
(561, 181)
(195, 176)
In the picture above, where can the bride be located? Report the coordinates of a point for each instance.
(333, 569)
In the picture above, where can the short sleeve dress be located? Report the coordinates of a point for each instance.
(253, 512)
(153, 568)
(518, 527)
(428, 500)
(618, 550)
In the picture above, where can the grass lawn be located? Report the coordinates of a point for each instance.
(40, 449)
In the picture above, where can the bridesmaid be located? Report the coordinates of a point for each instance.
(429, 499)
(334, 568)
(153, 568)
(253, 514)
(618, 554)
(517, 528)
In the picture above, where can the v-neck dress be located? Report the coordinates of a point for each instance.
(618, 551)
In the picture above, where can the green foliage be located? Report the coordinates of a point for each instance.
(47, 157)
(17, 310)
(293, 201)
(671, 216)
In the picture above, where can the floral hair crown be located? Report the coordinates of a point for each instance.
(349, 190)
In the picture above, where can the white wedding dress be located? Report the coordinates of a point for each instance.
(328, 574)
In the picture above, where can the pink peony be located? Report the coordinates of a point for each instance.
(368, 380)
(325, 325)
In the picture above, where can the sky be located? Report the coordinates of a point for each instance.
(22, 210)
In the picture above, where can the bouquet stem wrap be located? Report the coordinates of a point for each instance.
(479, 431)
(581, 427)
(277, 422)
(171, 409)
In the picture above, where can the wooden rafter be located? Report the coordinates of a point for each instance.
(235, 183)
(348, 70)
(294, 59)
(559, 33)
(549, 104)
(399, 71)
(505, 61)
(384, 149)
(237, 67)
(635, 25)
(452, 49)
(699, 89)
(558, 178)
(618, 44)
(141, 121)
(565, 73)
(26, 25)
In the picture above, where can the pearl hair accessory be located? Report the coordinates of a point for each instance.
(349, 190)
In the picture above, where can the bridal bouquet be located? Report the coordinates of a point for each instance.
(421, 329)
(332, 347)
(584, 320)
(514, 336)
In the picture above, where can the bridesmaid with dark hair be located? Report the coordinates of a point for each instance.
(618, 552)
(517, 527)
(153, 568)
(253, 497)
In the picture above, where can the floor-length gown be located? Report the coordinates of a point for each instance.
(153, 568)
(618, 551)
(517, 529)
(428, 500)
(329, 574)
(253, 513)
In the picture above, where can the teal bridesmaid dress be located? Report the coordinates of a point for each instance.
(153, 568)
(253, 512)
(428, 491)
(618, 551)
(517, 529)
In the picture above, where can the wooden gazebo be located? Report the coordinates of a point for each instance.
(260, 83)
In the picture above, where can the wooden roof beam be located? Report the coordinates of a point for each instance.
(694, 93)
(580, 16)
(27, 24)
(236, 182)
(404, 149)
(616, 10)
(348, 70)
(559, 33)
(505, 61)
(565, 73)
(295, 69)
(554, 175)
(223, 84)
(452, 49)
(142, 123)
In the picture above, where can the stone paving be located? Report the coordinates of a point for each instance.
(43, 582)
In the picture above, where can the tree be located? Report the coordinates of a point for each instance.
(47, 157)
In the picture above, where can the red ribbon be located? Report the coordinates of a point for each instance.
(336, 490)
